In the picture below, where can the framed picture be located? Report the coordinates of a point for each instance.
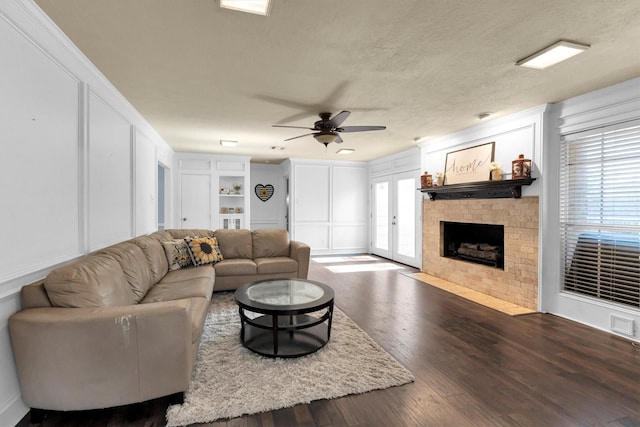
(469, 164)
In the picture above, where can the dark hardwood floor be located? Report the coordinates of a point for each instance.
(473, 366)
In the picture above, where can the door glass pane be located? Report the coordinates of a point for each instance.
(382, 216)
(406, 221)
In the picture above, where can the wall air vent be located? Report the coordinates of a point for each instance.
(623, 326)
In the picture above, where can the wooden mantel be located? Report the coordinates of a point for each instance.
(479, 190)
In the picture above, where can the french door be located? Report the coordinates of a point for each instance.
(396, 231)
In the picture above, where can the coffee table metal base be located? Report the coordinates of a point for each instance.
(287, 343)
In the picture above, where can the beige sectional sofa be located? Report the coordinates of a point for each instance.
(118, 326)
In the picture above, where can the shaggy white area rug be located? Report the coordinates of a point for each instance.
(229, 381)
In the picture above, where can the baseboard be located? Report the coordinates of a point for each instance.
(14, 412)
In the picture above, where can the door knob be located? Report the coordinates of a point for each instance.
(184, 219)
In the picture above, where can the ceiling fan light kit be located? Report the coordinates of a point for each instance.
(327, 129)
(326, 138)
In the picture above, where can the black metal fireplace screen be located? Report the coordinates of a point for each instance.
(479, 243)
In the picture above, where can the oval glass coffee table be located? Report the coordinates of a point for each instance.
(285, 317)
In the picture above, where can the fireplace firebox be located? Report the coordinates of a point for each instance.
(479, 243)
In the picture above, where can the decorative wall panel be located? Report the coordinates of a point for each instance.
(109, 175)
(39, 112)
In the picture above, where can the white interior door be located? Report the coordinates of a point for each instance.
(396, 219)
(195, 201)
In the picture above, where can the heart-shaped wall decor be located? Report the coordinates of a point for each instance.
(264, 192)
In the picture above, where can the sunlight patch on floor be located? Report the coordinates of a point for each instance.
(353, 258)
(478, 297)
(353, 268)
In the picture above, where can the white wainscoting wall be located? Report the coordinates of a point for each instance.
(329, 205)
(78, 165)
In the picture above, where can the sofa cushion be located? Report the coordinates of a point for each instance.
(178, 255)
(193, 232)
(93, 281)
(154, 253)
(161, 236)
(186, 274)
(134, 265)
(236, 267)
(199, 287)
(235, 243)
(272, 265)
(270, 242)
(203, 250)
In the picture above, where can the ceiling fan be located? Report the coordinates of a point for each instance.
(327, 129)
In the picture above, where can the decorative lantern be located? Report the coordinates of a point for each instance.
(426, 180)
(521, 168)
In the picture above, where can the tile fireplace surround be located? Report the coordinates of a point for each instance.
(518, 282)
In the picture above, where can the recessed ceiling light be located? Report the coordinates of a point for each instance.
(484, 115)
(228, 143)
(259, 7)
(551, 55)
(345, 151)
(421, 139)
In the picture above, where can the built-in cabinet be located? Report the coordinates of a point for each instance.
(212, 191)
(232, 201)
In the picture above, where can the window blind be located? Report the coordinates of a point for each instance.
(600, 213)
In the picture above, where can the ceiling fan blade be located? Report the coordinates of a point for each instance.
(293, 127)
(360, 128)
(339, 140)
(337, 120)
(299, 136)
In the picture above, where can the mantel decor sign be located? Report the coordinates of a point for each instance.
(264, 192)
(469, 164)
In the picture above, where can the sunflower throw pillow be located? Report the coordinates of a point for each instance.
(204, 250)
(178, 255)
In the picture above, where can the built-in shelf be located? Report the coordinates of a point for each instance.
(508, 188)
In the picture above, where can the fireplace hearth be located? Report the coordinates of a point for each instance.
(478, 243)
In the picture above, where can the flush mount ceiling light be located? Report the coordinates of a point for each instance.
(228, 143)
(551, 55)
(259, 7)
(345, 151)
(326, 138)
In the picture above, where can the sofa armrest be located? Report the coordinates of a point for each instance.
(300, 252)
(87, 358)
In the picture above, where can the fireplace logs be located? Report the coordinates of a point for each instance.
(480, 243)
(482, 252)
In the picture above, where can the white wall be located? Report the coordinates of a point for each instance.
(516, 134)
(269, 214)
(329, 205)
(77, 170)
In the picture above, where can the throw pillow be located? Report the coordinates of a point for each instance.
(204, 250)
(178, 255)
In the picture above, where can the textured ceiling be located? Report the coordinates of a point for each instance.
(199, 73)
